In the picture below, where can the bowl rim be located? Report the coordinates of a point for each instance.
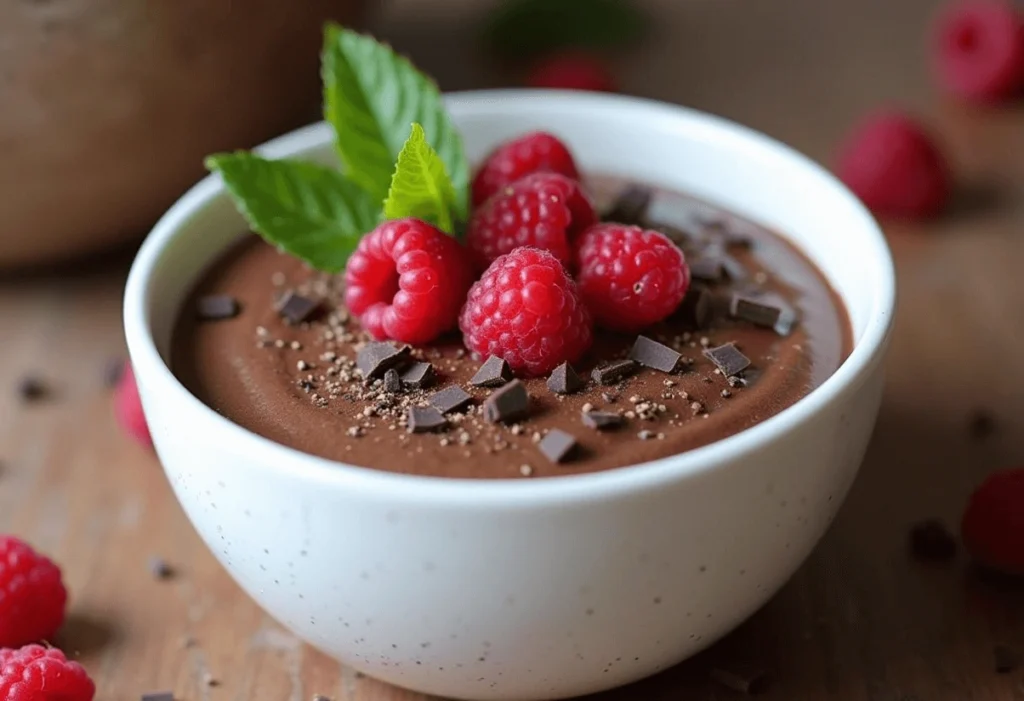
(291, 463)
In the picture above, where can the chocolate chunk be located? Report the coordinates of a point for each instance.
(159, 568)
(602, 420)
(696, 309)
(32, 389)
(158, 696)
(728, 359)
(217, 308)
(981, 425)
(113, 371)
(564, 380)
(295, 308)
(744, 678)
(376, 358)
(558, 446)
(1007, 659)
(452, 398)
(652, 354)
(707, 269)
(510, 403)
(392, 382)
(931, 540)
(767, 311)
(610, 373)
(424, 419)
(419, 376)
(493, 373)
(631, 205)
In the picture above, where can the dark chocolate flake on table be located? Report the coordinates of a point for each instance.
(32, 389)
(744, 678)
(610, 373)
(931, 541)
(564, 380)
(510, 403)
(392, 382)
(602, 420)
(217, 308)
(159, 568)
(113, 371)
(376, 358)
(449, 399)
(295, 308)
(558, 446)
(419, 376)
(631, 205)
(1006, 658)
(696, 309)
(728, 359)
(495, 372)
(654, 355)
(158, 696)
(425, 419)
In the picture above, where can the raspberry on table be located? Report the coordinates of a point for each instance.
(532, 153)
(895, 167)
(978, 49)
(629, 277)
(37, 673)
(32, 595)
(543, 210)
(527, 310)
(128, 408)
(572, 70)
(993, 523)
(407, 281)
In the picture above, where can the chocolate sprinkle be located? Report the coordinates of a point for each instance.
(746, 679)
(610, 373)
(376, 358)
(602, 420)
(217, 308)
(158, 696)
(558, 446)
(1007, 659)
(631, 205)
(493, 373)
(696, 309)
(510, 403)
(452, 398)
(392, 382)
(728, 359)
(159, 568)
(930, 540)
(32, 389)
(766, 312)
(424, 419)
(564, 380)
(419, 376)
(654, 355)
(295, 308)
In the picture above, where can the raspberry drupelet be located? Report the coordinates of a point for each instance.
(537, 152)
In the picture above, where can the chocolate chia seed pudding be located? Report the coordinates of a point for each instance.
(268, 343)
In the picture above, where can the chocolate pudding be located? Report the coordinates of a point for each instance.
(266, 342)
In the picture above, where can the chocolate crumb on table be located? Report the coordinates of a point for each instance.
(113, 371)
(32, 388)
(930, 540)
(158, 696)
(159, 568)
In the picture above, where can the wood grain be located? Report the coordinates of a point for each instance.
(860, 621)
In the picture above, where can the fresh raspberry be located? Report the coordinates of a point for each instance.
(406, 281)
(978, 49)
(128, 408)
(895, 167)
(37, 673)
(533, 153)
(629, 277)
(526, 309)
(543, 210)
(32, 595)
(572, 70)
(993, 523)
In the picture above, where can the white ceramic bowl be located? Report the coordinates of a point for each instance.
(531, 589)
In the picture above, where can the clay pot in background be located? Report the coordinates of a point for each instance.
(107, 107)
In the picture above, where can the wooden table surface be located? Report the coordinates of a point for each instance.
(861, 620)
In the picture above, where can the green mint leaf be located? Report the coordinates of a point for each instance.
(420, 186)
(308, 210)
(371, 96)
(529, 28)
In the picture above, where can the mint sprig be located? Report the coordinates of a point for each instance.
(372, 99)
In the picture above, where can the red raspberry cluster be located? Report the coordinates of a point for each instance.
(550, 270)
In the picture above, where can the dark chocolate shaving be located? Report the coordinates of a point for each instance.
(766, 311)
(493, 373)
(602, 420)
(419, 376)
(510, 403)
(392, 382)
(217, 308)
(376, 358)
(452, 398)
(1007, 659)
(425, 419)
(558, 446)
(931, 541)
(631, 205)
(159, 568)
(295, 308)
(696, 309)
(728, 359)
(610, 373)
(564, 380)
(32, 389)
(158, 696)
(654, 355)
(744, 678)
